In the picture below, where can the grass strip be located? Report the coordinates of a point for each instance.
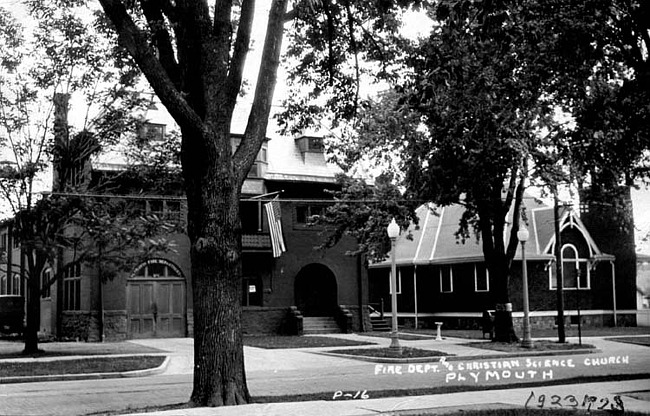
(538, 346)
(295, 341)
(80, 366)
(645, 341)
(377, 394)
(407, 352)
(424, 391)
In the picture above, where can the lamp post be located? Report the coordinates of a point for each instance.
(393, 232)
(522, 236)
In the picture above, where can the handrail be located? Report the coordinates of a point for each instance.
(380, 304)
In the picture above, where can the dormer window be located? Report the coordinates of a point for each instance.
(152, 132)
(310, 144)
(315, 144)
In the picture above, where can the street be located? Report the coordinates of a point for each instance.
(289, 372)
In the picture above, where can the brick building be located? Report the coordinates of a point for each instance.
(281, 291)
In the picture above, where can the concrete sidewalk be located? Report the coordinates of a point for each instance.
(291, 371)
(600, 393)
(635, 394)
(181, 352)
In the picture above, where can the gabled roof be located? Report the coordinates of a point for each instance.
(543, 218)
(434, 240)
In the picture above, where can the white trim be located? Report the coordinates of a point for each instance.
(424, 230)
(487, 279)
(593, 312)
(451, 280)
(415, 294)
(435, 241)
(577, 261)
(571, 224)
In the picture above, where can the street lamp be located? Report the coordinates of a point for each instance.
(522, 236)
(393, 232)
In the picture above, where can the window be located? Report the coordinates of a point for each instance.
(252, 291)
(15, 285)
(46, 276)
(173, 209)
(3, 284)
(575, 270)
(398, 283)
(158, 207)
(305, 212)
(446, 279)
(3, 242)
(77, 172)
(481, 278)
(152, 131)
(254, 172)
(72, 288)
(157, 269)
(315, 144)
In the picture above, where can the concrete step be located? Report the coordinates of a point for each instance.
(379, 324)
(319, 325)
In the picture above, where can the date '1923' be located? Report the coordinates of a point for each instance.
(570, 401)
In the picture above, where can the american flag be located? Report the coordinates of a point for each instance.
(273, 214)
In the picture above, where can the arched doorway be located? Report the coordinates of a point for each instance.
(316, 291)
(156, 300)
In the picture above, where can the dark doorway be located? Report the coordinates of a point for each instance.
(315, 291)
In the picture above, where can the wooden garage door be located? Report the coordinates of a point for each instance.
(156, 302)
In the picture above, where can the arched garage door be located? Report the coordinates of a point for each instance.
(156, 300)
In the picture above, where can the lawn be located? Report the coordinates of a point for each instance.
(14, 349)
(570, 331)
(633, 340)
(541, 345)
(80, 366)
(402, 335)
(292, 341)
(407, 352)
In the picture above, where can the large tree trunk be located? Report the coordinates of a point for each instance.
(215, 234)
(503, 326)
(33, 297)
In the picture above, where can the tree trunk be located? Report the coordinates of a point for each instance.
(504, 330)
(33, 297)
(215, 234)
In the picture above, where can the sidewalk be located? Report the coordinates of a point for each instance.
(291, 371)
(635, 393)
(439, 403)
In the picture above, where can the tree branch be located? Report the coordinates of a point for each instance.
(163, 42)
(258, 118)
(135, 42)
(242, 43)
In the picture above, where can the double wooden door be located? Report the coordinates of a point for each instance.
(156, 308)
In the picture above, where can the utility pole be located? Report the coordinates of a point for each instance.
(559, 273)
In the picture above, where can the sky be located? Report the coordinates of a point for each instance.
(417, 25)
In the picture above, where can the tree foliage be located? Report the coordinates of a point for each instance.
(363, 212)
(63, 56)
(610, 144)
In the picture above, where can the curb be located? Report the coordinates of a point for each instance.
(459, 357)
(89, 376)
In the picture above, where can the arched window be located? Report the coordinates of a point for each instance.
(575, 270)
(157, 269)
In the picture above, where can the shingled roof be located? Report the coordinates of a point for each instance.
(435, 240)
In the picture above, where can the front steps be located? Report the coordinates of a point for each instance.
(379, 324)
(319, 325)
